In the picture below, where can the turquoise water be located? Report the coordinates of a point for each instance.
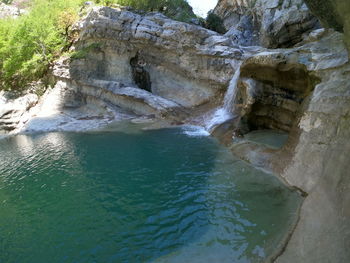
(271, 138)
(152, 196)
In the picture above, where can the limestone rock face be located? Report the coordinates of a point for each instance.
(146, 65)
(306, 91)
(184, 67)
(276, 83)
(320, 167)
(269, 23)
(185, 63)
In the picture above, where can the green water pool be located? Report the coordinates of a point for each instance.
(270, 138)
(151, 196)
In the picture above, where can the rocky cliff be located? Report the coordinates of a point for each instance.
(313, 158)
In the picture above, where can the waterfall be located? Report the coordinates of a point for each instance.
(231, 93)
(225, 112)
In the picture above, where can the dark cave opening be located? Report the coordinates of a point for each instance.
(140, 75)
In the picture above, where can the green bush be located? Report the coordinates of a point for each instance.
(215, 23)
(29, 43)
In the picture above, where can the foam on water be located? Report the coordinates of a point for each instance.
(194, 131)
(220, 116)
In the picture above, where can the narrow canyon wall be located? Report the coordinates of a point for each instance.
(311, 102)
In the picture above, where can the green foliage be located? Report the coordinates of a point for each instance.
(29, 43)
(215, 23)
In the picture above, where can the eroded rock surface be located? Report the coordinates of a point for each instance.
(314, 159)
(14, 112)
(180, 66)
(186, 63)
(269, 23)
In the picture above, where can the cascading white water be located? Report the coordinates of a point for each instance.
(225, 112)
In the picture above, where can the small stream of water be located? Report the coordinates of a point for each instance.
(225, 112)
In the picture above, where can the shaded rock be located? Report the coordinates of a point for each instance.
(226, 131)
(334, 14)
(134, 99)
(276, 83)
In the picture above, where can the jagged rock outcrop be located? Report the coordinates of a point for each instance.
(269, 23)
(275, 89)
(187, 66)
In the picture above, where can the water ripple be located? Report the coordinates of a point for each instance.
(155, 196)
